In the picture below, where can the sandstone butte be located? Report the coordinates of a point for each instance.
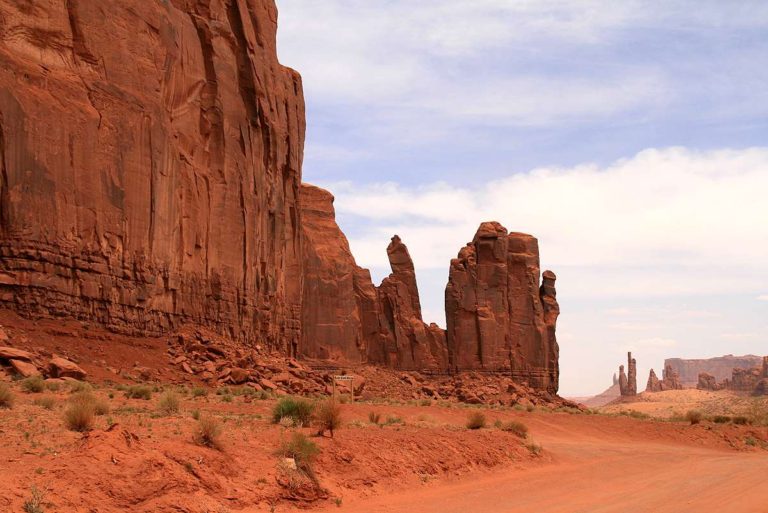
(150, 166)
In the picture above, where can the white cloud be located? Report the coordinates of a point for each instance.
(670, 221)
(763, 297)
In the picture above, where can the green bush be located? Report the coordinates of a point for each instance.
(33, 384)
(294, 408)
(169, 403)
(6, 396)
(139, 392)
(694, 416)
(515, 427)
(476, 420)
(302, 450)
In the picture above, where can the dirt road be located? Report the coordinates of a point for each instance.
(596, 471)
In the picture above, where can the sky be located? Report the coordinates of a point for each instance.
(630, 137)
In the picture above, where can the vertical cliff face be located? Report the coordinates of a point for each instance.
(345, 317)
(407, 342)
(498, 317)
(333, 297)
(150, 155)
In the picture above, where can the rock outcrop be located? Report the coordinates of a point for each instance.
(670, 380)
(334, 289)
(628, 380)
(708, 382)
(150, 179)
(498, 318)
(151, 162)
(721, 367)
(345, 317)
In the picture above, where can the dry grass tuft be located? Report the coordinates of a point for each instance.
(169, 403)
(33, 384)
(476, 420)
(328, 415)
(208, 433)
(6, 396)
(694, 416)
(515, 427)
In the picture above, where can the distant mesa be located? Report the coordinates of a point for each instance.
(720, 368)
(753, 380)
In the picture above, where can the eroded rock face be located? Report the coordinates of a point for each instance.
(498, 317)
(334, 299)
(708, 382)
(721, 367)
(628, 380)
(670, 380)
(166, 189)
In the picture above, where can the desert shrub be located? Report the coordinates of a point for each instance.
(425, 402)
(195, 414)
(208, 432)
(750, 441)
(199, 392)
(139, 392)
(79, 414)
(302, 450)
(637, 414)
(226, 398)
(168, 403)
(393, 419)
(694, 416)
(53, 386)
(35, 503)
(374, 417)
(33, 384)
(741, 420)
(530, 408)
(476, 420)
(101, 407)
(6, 396)
(80, 386)
(294, 408)
(534, 448)
(328, 416)
(46, 402)
(721, 419)
(515, 427)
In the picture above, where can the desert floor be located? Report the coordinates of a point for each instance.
(420, 457)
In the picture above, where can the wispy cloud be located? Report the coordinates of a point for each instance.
(664, 221)
(763, 297)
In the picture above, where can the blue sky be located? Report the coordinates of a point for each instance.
(629, 136)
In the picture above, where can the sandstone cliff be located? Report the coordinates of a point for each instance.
(150, 177)
(720, 367)
(498, 318)
(151, 162)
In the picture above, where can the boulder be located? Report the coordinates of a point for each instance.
(24, 368)
(11, 353)
(62, 368)
(239, 376)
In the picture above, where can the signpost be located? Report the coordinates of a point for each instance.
(351, 387)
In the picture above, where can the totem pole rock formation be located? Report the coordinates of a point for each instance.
(670, 381)
(498, 318)
(628, 381)
(166, 189)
